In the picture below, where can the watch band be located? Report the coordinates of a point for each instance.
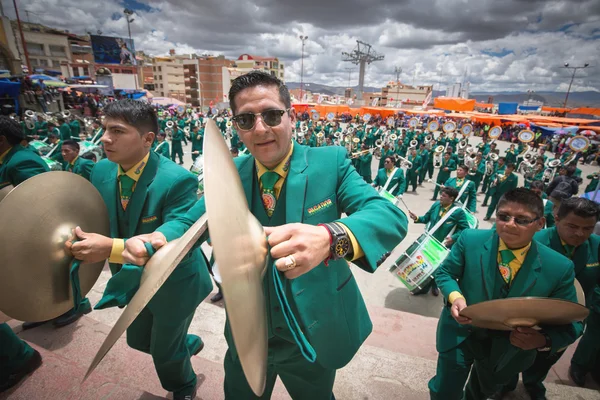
(337, 234)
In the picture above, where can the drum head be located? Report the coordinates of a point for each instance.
(579, 143)
(449, 126)
(495, 132)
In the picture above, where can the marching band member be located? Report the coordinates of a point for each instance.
(162, 146)
(363, 164)
(390, 178)
(197, 139)
(65, 129)
(593, 182)
(385, 153)
(41, 128)
(537, 187)
(502, 183)
(177, 149)
(141, 191)
(572, 237)
(446, 232)
(425, 155)
(513, 265)
(467, 194)
(74, 163)
(412, 174)
(478, 171)
(294, 178)
(511, 156)
(499, 168)
(448, 165)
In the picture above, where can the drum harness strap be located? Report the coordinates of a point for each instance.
(442, 220)
(389, 180)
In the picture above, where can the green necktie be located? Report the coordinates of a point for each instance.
(126, 184)
(506, 256)
(268, 180)
(569, 250)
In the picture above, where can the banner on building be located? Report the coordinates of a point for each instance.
(374, 102)
(113, 50)
(427, 99)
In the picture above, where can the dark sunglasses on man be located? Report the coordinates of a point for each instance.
(247, 121)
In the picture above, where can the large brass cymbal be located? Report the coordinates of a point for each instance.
(155, 273)
(507, 314)
(36, 218)
(240, 249)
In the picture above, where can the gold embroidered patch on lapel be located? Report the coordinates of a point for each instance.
(139, 169)
(147, 220)
(597, 264)
(319, 207)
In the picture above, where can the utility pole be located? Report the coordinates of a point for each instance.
(23, 38)
(128, 13)
(397, 71)
(303, 38)
(572, 78)
(362, 55)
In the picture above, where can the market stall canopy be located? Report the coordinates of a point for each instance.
(166, 101)
(454, 103)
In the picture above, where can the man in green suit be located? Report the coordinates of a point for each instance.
(197, 139)
(390, 178)
(291, 189)
(363, 164)
(56, 143)
(412, 173)
(467, 195)
(448, 165)
(162, 147)
(177, 149)
(75, 127)
(538, 188)
(494, 264)
(501, 184)
(425, 155)
(65, 129)
(41, 128)
(141, 191)
(74, 163)
(572, 237)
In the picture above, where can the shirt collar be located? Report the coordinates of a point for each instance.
(136, 171)
(3, 155)
(519, 254)
(75, 160)
(282, 168)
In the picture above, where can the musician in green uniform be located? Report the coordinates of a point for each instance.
(141, 191)
(41, 128)
(55, 141)
(177, 149)
(445, 222)
(363, 164)
(498, 169)
(484, 146)
(467, 194)
(74, 163)
(412, 173)
(429, 168)
(197, 138)
(97, 131)
(425, 155)
(386, 152)
(390, 178)
(496, 264)
(65, 129)
(284, 183)
(593, 182)
(501, 184)
(538, 188)
(75, 127)
(448, 165)
(477, 172)
(573, 238)
(162, 146)
(511, 156)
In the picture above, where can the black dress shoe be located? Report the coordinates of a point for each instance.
(484, 205)
(435, 291)
(187, 396)
(31, 325)
(577, 377)
(216, 297)
(31, 365)
(486, 219)
(67, 318)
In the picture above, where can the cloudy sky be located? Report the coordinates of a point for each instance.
(497, 45)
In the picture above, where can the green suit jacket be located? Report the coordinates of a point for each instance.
(396, 186)
(65, 132)
(82, 167)
(471, 268)
(456, 219)
(508, 184)
(162, 148)
(324, 177)
(443, 176)
(469, 196)
(19, 165)
(164, 192)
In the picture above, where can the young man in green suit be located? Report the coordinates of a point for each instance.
(390, 178)
(467, 194)
(495, 264)
(499, 167)
(291, 189)
(197, 139)
(538, 188)
(162, 146)
(74, 163)
(41, 128)
(448, 165)
(445, 221)
(55, 141)
(143, 190)
(425, 155)
(501, 184)
(65, 129)
(16, 162)
(412, 173)
(363, 164)
(573, 238)
(177, 149)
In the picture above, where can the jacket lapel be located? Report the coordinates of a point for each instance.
(138, 198)
(247, 173)
(111, 196)
(489, 264)
(527, 275)
(296, 182)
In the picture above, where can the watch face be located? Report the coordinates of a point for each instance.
(342, 247)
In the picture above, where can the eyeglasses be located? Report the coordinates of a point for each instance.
(519, 221)
(247, 121)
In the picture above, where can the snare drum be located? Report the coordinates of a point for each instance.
(416, 266)
(89, 147)
(42, 148)
(471, 219)
(198, 169)
(387, 195)
(52, 165)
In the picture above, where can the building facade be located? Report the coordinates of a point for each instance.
(395, 93)
(10, 59)
(48, 48)
(246, 63)
(169, 77)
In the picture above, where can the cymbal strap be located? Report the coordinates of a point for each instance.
(80, 304)
(305, 347)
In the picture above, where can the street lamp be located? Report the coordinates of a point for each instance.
(572, 78)
(128, 13)
(303, 38)
(530, 93)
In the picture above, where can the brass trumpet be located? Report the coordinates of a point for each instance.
(359, 153)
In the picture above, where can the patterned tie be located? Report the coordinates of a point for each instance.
(507, 256)
(268, 180)
(459, 182)
(569, 250)
(126, 184)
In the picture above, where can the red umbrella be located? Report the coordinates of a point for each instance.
(588, 132)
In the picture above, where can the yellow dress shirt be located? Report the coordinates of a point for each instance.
(514, 265)
(388, 172)
(4, 155)
(282, 169)
(134, 173)
(72, 163)
(459, 182)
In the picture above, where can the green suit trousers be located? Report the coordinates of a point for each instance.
(14, 352)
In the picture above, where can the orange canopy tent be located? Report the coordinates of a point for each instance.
(324, 109)
(556, 109)
(586, 110)
(484, 105)
(454, 103)
(423, 112)
(384, 112)
(302, 107)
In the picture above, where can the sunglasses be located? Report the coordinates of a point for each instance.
(247, 121)
(519, 221)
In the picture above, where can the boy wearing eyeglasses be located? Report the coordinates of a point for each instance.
(573, 238)
(486, 265)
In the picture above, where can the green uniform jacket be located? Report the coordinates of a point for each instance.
(469, 196)
(164, 192)
(65, 132)
(19, 165)
(364, 165)
(82, 167)
(57, 154)
(456, 219)
(396, 186)
(320, 186)
(471, 268)
(41, 129)
(585, 258)
(75, 128)
(593, 183)
(548, 213)
(508, 184)
(416, 165)
(163, 149)
(443, 176)
(197, 140)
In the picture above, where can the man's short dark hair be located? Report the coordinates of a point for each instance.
(510, 165)
(258, 78)
(524, 197)
(163, 134)
(579, 206)
(11, 130)
(71, 143)
(138, 114)
(89, 156)
(537, 185)
(451, 192)
(463, 166)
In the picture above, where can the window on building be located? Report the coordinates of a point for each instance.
(86, 71)
(161, 85)
(159, 69)
(44, 63)
(34, 61)
(154, 69)
(58, 51)
(35, 49)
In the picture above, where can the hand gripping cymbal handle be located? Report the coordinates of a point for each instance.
(80, 304)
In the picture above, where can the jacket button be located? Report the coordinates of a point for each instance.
(279, 329)
(276, 309)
